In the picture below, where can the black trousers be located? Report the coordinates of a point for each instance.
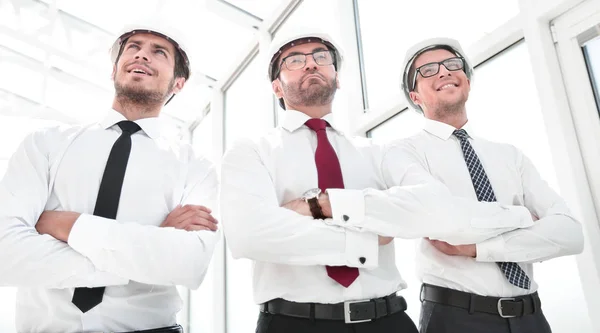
(441, 318)
(397, 323)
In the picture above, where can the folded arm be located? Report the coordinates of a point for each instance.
(152, 254)
(257, 228)
(417, 205)
(556, 233)
(28, 258)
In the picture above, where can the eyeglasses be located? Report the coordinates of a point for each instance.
(297, 61)
(432, 68)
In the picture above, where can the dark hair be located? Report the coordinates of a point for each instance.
(180, 69)
(411, 72)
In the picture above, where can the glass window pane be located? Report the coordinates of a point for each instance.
(259, 8)
(202, 137)
(384, 45)
(21, 75)
(68, 94)
(401, 125)
(248, 112)
(591, 50)
(201, 306)
(248, 108)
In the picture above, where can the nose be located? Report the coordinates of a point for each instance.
(444, 71)
(141, 54)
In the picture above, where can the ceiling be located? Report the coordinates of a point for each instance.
(54, 53)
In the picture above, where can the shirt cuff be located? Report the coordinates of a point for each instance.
(347, 207)
(362, 249)
(86, 233)
(491, 250)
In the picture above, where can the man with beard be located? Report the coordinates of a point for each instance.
(100, 223)
(487, 286)
(309, 206)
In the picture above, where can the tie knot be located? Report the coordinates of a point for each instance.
(316, 124)
(461, 134)
(129, 126)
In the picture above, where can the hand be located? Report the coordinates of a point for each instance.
(469, 250)
(191, 218)
(56, 224)
(385, 240)
(299, 206)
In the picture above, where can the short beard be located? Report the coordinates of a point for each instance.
(141, 96)
(445, 109)
(315, 94)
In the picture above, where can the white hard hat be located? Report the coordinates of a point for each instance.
(156, 28)
(426, 45)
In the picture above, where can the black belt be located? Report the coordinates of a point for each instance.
(170, 329)
(349, 312)
(505, 307)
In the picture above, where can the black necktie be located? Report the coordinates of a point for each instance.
(483, 188)
(107, 202)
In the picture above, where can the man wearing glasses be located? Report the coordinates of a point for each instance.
(487, 286)
(309, 206)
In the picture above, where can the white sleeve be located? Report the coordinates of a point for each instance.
(416, 205)
(556, 233)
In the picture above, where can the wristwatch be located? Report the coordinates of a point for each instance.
(312, 198)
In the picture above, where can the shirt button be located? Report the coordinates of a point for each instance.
(346, 218)
(362, 260)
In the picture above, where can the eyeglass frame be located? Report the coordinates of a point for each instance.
(331, 52)
(439, 63)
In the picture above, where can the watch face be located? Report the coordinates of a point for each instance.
(312, 193)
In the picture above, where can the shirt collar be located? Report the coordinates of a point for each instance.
(443, 130)
(293, 120)
(151, 126)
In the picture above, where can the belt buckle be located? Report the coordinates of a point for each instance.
(347, 312)
(500, 306)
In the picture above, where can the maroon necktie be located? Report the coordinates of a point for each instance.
(330, 176)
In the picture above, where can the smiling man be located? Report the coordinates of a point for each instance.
(100, 223)
(486, 286)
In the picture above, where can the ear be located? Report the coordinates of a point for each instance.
(415, 97)
(114, 71)
(179, 83)
(337, 81)
(277, 90)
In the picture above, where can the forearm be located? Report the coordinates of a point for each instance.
(279, 235)
(39, 261)
(425, 210)
(551, 237)
(147, 254)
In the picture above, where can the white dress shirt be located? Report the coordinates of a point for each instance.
(139, 262)
(515, 182)
(290, 250)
